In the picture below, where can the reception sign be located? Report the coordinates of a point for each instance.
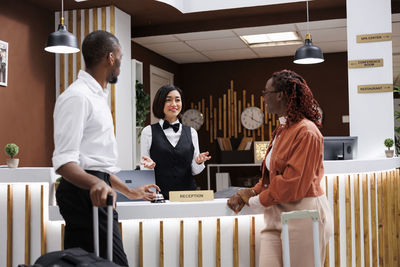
(366, 63)
(375, 88)
(187, 196)
(375, 37)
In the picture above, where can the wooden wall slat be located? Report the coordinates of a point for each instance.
(374, 226)
(27, 225)
(336, 220)
(200, 245)
(10, 214)
(161, 244)
(43, 240)
(218, 244)
(357, 219)
(386, 259)
(326, 263)
(380, 219)
(397, 199)
(78, 36)
(365, 220)
(86, 22)
(95, 19)
(252, 242)
(349, 237)
(181, 245)
(62, 73)
(140, 244)
(235, 243)
(70, 56)
(62, 235)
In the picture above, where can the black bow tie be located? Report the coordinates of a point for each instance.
(174, 127)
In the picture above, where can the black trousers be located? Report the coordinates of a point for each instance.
(76, 208)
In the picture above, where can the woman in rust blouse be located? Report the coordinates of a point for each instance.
(291, 173)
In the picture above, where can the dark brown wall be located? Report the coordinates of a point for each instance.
(327, 80)
(148, 57)
(26, 104)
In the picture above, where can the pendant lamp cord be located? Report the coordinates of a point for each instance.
(308, 30)
(62, 12)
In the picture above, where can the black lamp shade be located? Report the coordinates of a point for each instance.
(308, 54)
(62, 42)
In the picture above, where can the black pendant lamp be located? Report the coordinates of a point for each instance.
(62, 41)
(308, 53)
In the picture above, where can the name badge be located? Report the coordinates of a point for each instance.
(187, 196)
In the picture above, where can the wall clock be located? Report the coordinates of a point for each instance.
(252, 118)
(193, 118)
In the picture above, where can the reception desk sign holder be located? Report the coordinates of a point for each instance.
(188, 196)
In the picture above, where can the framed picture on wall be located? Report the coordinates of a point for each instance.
(260, 148)
(3, 63)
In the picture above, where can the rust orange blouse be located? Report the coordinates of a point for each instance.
(296, 166)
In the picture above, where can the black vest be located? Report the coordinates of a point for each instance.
(173, 169)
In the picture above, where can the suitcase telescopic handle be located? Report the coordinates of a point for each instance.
(299, 214)
(109, 203)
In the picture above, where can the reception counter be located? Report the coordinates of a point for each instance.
(363, 195)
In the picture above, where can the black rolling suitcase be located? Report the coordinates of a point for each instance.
(79, 257)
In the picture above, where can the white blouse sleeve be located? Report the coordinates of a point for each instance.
(196, 168)
(255, 204)
(145, 144)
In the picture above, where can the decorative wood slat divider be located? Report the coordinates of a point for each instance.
(374, 200)
(357, 219)
(349, 247)
(365, 219)
(200, 245)
(336, 219)
(9, 225)
(42, 222)
(161, 244)
(27, 225)
(326, 264)
(253, 242)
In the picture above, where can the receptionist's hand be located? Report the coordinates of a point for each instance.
(148, 162)
(236, 203)
(202, 157)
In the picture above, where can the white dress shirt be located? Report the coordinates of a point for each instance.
(173, 138)
(83, 127)
(254, 202)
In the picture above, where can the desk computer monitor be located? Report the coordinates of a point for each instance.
(134, 179)
(340, 147)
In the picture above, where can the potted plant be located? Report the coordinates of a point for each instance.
(142, 107)
(389, 143)
(12, 150)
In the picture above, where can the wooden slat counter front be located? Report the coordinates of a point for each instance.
(363, 196)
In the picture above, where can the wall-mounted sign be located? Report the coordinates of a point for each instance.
(375, 88)
(366, 63)
(187, 196)
(375, 37)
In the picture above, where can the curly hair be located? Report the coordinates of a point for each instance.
(301, 102)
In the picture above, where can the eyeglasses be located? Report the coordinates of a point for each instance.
(266, 92)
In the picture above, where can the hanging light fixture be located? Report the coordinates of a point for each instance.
(308, 53)
(62, 41)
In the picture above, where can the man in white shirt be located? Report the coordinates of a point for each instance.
(85, 152)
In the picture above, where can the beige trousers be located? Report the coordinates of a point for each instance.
(300, 233)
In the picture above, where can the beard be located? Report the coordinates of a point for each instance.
(113, 80)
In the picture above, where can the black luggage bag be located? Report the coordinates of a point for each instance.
(78, 257)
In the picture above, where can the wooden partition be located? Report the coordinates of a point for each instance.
(366, 208)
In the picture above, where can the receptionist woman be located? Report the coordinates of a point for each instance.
(170, 148)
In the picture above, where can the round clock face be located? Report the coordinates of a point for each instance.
(193, 118)
(252, 118)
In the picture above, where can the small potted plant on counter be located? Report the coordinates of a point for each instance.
(12, 150)
(389, 143)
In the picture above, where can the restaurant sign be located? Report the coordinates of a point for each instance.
(375, 88)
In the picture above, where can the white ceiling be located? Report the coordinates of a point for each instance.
(222, 45)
